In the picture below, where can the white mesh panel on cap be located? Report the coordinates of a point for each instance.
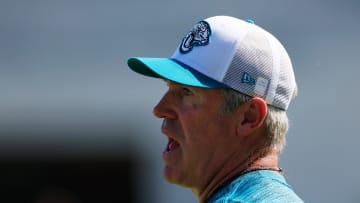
(261, 67)
(287, 84)
(251, 60)
(275, 69)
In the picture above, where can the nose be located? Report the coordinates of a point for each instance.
(164, 108)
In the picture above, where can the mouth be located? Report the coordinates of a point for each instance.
(171, 146)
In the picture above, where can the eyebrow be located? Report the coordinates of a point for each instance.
(169, 82)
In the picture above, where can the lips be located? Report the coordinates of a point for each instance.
(171, 146)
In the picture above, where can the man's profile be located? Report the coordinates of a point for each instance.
(230, 84)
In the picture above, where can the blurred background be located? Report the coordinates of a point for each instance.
(76, 123)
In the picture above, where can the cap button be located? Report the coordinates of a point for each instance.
(250, 21)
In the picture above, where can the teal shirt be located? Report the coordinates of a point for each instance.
(256, 186)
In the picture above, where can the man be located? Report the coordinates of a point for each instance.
(229, 85)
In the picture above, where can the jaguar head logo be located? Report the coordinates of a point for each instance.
(198, 36)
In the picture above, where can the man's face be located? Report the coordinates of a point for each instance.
(197, 131)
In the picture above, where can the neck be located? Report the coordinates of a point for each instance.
(257, 161)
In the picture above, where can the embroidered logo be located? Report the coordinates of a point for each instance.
(247, 79)
(198, 36)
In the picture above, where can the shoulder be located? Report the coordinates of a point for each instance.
(257, 186)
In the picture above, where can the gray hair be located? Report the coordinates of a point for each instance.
(276, 121)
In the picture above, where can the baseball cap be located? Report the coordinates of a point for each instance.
(227, 52)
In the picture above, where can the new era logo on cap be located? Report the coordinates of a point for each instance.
(247, 79)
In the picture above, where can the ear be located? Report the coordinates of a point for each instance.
(254, 114)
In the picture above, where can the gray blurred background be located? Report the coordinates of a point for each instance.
(66, 91)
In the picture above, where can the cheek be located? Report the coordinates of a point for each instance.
(202, 120)
(216, 130)
(202, 131)
(191, 103)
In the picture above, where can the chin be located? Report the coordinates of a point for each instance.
(171, 175)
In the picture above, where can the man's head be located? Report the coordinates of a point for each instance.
(230, 83)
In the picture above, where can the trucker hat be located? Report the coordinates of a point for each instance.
(227, 52)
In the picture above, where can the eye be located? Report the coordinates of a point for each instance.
(186, 91)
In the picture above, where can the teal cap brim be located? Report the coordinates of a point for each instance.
(172, 70)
